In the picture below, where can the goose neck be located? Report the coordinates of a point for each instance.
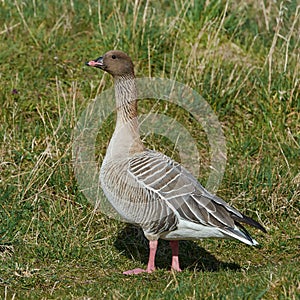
(126, 137)
(126, 98)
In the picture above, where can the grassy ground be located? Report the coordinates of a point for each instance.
(243, 57)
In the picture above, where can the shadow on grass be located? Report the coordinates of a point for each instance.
(133, 244)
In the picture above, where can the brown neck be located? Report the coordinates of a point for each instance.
(126, 98)
(126, 137)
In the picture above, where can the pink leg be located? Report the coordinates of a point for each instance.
(175, 251)
(151, 261)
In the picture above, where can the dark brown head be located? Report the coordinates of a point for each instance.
(115, 62)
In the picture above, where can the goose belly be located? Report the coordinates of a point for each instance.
(127, 196)
(121, 191)
(190, 231)
(134, 203)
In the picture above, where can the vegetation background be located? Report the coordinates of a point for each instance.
(242, 56)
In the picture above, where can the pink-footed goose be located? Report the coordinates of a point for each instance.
(149, 189)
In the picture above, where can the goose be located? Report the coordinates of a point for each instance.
(149, 189)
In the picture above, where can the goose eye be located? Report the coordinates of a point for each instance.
(113, 57)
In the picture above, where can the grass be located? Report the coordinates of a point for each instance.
(242, 58)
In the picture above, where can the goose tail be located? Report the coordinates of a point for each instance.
(240, 233)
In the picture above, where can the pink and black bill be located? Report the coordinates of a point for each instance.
(97, 63)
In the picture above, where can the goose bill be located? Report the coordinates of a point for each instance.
(98, 63)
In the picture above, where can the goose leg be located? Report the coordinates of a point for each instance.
(151, 261)
(175, 251)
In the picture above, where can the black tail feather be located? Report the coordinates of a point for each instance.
(249, 221)
(244, 231)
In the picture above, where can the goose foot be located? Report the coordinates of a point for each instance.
(151, 261)
(176, 269)
(137, 271)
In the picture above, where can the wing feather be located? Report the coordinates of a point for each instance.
(180, 190)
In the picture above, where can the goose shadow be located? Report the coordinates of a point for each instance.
(133, 244)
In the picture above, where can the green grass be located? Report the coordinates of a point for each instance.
(242, 58)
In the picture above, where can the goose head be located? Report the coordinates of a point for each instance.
(114, 62)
